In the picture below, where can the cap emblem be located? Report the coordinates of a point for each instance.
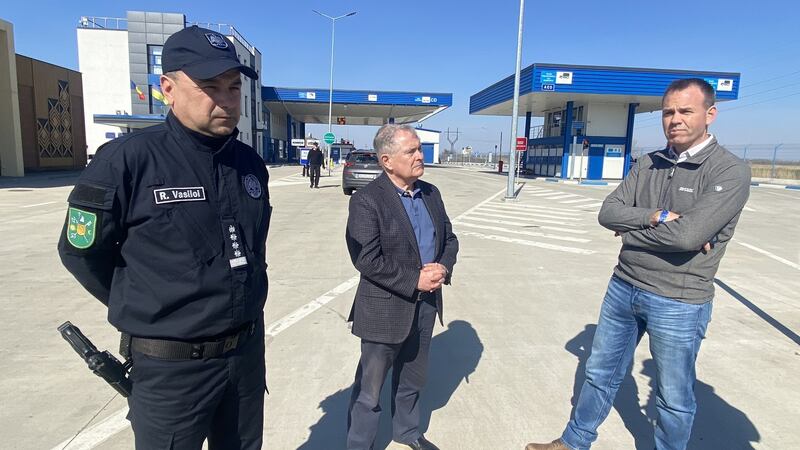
(217, 41)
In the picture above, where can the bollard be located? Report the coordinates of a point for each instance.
(500, 166)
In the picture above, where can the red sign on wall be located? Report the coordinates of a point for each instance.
(522, 144)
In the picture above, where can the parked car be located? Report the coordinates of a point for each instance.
(360, 169)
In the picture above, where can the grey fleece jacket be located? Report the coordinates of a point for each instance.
(708, 190)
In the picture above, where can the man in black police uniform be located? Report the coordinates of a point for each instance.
(316, 160)
(167, 227)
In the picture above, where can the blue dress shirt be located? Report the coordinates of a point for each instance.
(421, 222)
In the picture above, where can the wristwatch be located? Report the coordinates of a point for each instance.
(663, 216)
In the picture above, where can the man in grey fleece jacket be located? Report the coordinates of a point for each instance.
(675, 212)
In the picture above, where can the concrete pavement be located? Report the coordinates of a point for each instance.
(519, 319)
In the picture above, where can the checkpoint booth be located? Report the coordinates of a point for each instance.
(288, 110)
(587, 112)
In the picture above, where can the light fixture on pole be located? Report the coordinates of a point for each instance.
(330, 90)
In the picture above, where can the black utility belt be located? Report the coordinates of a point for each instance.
(167, 349)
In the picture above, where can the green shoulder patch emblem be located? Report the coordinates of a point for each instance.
(81, 228)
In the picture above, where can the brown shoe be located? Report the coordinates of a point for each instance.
(558, 444)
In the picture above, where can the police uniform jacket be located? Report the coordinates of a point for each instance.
(171, 234)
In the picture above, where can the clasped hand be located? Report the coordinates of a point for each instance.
(431, 277)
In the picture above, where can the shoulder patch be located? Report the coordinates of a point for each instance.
(89, 195)
(81, 228)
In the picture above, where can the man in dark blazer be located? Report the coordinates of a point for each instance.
(401, 241)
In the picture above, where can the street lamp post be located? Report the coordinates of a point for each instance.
(330, 88)
(512, 160)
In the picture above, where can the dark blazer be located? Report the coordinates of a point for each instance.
(384, 250)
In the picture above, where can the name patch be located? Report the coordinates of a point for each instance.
(179, 194)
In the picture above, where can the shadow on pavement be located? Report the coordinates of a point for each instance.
(759, 312)
(717, 423)
(38, 180)
(454, 355)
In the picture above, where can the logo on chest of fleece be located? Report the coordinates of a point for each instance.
(685, 189)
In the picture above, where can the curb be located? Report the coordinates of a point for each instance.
(576, 182)
(794, 187)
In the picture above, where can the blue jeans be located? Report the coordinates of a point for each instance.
(675, 330)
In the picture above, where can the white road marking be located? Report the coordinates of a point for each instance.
(747, 208)
(548, 209)
(38, 204)
(523, 232)
(560, 248)
(300, 313)
(770, 255)
(522, 224)
(99, 433)
(528, 213)
(480, 204)
(530, 219)
(115, 423)
(546, 194)
(780, 195)
(279, 183)
(577, 200)
(592, 205)
(560, 196)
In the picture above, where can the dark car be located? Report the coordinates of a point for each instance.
(359, 169)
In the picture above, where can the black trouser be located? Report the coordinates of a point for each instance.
(305, 170)
(177, 404)
(315, 173)
(409, 363)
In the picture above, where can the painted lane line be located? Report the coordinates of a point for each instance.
(546, 194)
(781, 195)
(37, 204)
(524, 225)
(747, 208)
(560, 248)
(287, 183)
(530, 219)
(559, 197)
(99, 433)
(461, 223)
(592, 205)
(770, 255)
(548, 209)
(302, 312)
(474, 208)
(529, 213)
(578, 200)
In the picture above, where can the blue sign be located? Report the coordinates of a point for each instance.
(335, 153)
(613, 152)
(548, 87)
(548, 77)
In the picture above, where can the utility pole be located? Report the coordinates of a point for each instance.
(452, 141)
(511, 188)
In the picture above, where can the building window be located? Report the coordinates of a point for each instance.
(154, 59)
(245, 107)
(157, 101)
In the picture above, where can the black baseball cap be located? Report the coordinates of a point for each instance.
(202, 54)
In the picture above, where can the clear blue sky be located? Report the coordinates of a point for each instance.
(464, 46)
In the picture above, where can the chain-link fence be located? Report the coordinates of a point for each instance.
(772, 161)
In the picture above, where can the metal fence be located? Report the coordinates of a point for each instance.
(774, 161)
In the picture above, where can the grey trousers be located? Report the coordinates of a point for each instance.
(409, 363)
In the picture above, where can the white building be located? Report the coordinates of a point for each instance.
(120, 59)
